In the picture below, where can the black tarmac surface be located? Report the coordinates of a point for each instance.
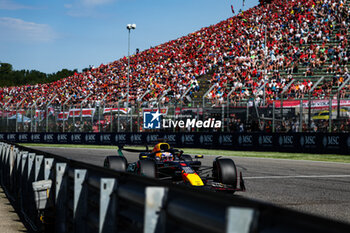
(320, 188)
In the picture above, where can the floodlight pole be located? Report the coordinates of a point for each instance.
(129, 27)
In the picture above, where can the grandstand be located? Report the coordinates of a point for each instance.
(252, 56)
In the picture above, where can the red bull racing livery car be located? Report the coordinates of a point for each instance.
(166, 163)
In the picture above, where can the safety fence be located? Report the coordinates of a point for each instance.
(321, 143)
(55, 194)
(304, 115)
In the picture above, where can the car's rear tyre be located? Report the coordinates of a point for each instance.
(187, 158)
(116, 163)
(147, 168)
(224, 171)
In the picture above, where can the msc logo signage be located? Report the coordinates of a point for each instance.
(105, 138)
(120, 138)
(286, 140)
(308, 141)
(23, 137)
(36, 137)
(62, 138)
(265, 140)
(332, 141)
(11, 137)
(152, 138)
(48, 137)
(136, 138)
(91, 138)
(206, 139)
(76, 137)
(152, 120)
(187, 139)
(225, 140)
(245, 140)
(170, 138)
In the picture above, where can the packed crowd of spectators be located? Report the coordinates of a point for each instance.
(299, 38)
(233, 50)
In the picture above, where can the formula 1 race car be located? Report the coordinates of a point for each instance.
(166, 163)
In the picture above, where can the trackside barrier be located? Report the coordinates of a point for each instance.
(319, 143)
(54, 194)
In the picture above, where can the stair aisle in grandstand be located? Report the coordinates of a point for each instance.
(204, 85)
(9, 220)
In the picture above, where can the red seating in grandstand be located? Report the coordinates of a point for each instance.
(298, 37)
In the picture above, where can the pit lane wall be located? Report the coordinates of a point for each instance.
(337, 143)
(76, 197)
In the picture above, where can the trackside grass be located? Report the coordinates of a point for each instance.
(274, 155)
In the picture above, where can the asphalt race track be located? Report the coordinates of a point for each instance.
(319, 188)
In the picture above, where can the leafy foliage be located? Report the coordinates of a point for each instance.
(10, 77)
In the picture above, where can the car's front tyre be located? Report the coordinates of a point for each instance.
(147, 168)
(225, 172)
(117, 163)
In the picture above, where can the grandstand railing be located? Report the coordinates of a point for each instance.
(307, 115)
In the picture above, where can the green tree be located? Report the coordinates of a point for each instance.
(5, 74)
(10, 77)
(5, 68)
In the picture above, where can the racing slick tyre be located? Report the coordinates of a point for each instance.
(147, 168)
(116, 163)
(224, 171)
(186, 158)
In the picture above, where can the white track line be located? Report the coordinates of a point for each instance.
(279, 159)
(294, 177)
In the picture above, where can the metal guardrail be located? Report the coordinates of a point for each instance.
(87, 198)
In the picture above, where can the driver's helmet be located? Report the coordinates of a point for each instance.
(166, 157)
(161, 147)
(160, 151)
